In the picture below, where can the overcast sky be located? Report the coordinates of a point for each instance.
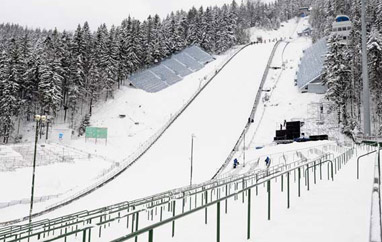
(66, 14)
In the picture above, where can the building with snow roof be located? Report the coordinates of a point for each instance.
(342, 27)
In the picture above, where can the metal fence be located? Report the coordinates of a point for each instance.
(169, 206)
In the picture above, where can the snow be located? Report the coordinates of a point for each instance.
(336, 210)
(146, 115)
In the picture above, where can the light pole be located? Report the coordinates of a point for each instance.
(365, 78)
(192, 156)
(38, 120)
(244, 150)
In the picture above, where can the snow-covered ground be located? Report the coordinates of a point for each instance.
(146, 114)
(331, 211)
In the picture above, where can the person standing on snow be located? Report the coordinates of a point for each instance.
(268, 162)
(235, 163)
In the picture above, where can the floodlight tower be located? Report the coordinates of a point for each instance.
(365, 78)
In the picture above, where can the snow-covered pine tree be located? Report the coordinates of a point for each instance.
(354, 51)
(134, 48)
(207, 29)
(9, 99)
(50, 72)
(374, 47)
(65, 59)
(337, 76)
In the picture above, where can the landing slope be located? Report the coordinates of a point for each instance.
(216, 118)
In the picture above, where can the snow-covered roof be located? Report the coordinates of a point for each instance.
(171, 70)
(311, 63)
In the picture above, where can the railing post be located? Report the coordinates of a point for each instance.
(288, 197)
(173, 222)
(226, 200)
(136, 226)
(249, 215)
(282, 183)
(84, 236)
(299, 185)
(307, 176)
(205, 211)
(269, 199)
(90, 234)
(151, 236)
(218, 223)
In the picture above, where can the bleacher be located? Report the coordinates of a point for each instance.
(177, 67)
(311, 64)
(172, 70)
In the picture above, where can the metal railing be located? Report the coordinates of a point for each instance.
(375, 215)
(86, 221)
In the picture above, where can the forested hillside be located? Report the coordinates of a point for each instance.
(343, 67)
(52, 72)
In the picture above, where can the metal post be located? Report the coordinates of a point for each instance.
(218, 223)
(366, 91)
(288, 204)
(84, 236)
(307, 176)
(136, 226)
(173, 222)
(192, 155)
(299, 177)
(244, 150)
(34, 171)
(269, 199)
(151, 236)
(282, 183)
(205, 211)
(249, 215)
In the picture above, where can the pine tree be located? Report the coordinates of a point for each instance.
(337, 75)
(51, 78)
(374, 47)
(9, 101)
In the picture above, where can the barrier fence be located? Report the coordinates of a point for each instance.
(160, 209)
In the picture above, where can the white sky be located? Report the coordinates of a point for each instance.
(66, 14)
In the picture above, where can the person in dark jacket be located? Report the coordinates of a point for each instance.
(235, 163)
(268, 162)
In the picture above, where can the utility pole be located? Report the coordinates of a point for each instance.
(192, 156)
(39, 119)
(244, 150)
(366, 91)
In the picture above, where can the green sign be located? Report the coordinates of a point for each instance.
(102, 133)
(95, 132)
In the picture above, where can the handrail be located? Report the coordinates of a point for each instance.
(170, 195)
(150, 228)
(359, 157)
(375, 215)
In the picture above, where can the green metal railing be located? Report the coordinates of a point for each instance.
(202, 197)
(340, 160)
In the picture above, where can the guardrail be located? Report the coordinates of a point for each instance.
(86, 221)
(376, 213)
(129, 161)
(252, 114)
